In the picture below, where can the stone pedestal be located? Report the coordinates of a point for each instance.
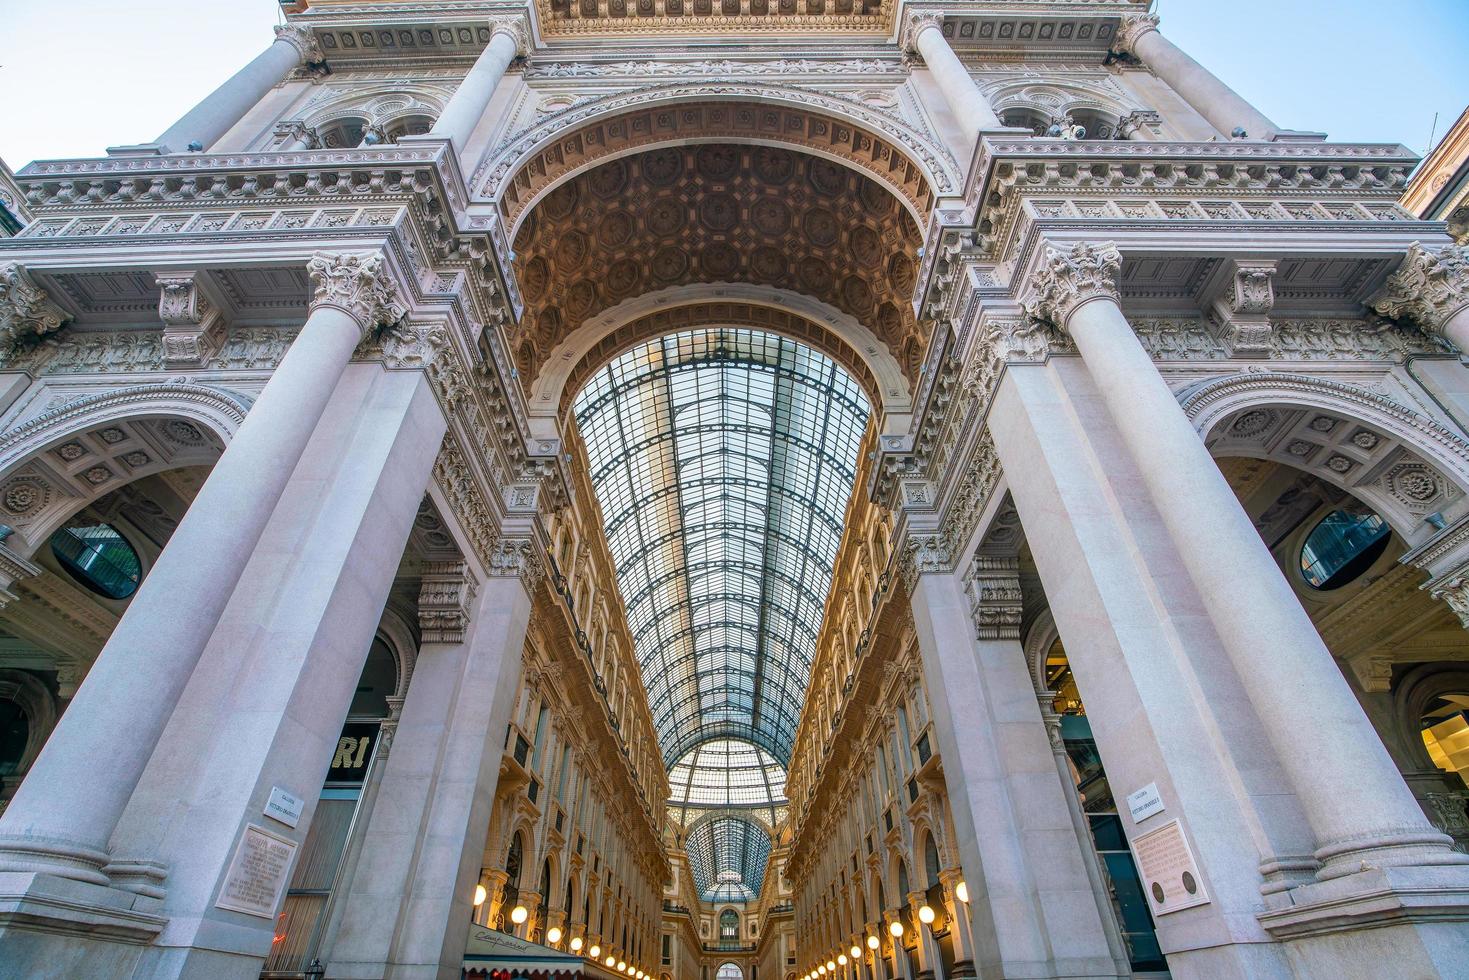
(409, 904)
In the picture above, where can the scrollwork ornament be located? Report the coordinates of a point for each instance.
(1131, 31)
(302, 40)
(1430, 288)
(358, 284)
(1067, 280)
(26, 310)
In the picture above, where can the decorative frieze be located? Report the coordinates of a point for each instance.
(444, 601)
(26, 310)
(1066, 280)
(1429, 288)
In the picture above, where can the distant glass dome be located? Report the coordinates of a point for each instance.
(727, 774)
(727, 855)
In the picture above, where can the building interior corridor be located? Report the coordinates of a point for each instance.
(865, 491)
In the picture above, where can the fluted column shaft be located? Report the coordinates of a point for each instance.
(227, 105)
(470, 100)
(1200, 88)
(64, 813)
(1355, 801)
(966, 101)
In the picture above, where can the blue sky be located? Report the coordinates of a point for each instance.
(78, 76)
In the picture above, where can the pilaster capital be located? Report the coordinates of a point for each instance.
(359, 284)
(924, 553)
(1429, 288)
(444, 600)
(915, 22)
(1067, 280)
(301, 39)
(516, 557)
(995, 598)
(26, 310)
(516, 27)
(1131, 30)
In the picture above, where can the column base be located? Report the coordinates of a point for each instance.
(52, 857)
(1403, 921)
(59, 927)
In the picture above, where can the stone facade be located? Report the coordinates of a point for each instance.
(320, 652)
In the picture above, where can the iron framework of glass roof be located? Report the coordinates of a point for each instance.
(727, 855)
(727, 774)
(723, 460)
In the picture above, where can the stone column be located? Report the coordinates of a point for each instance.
(1431, 289)
(462, 114)
(62, 817)
(958, 912)
(265, 706)
(924, 32)
(409, 905)
(202, 125)
(1360, 811)
(1200, 88)
(1008, 807)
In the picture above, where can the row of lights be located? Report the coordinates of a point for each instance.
(926, 915)
(520, 913)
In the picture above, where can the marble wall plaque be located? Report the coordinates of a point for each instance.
(258, 873)
(1166, 864)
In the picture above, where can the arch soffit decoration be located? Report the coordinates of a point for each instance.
(913, 167)
(30, 499)
(1038, 642)
(1432, 471)
(396, 633)
(38, 706)
(794, 315)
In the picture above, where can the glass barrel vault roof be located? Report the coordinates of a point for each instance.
(723, 460)
(727, 856)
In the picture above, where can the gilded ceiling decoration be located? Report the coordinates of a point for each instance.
(716, 213)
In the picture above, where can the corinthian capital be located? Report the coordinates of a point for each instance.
(914, 23)
(301, 39)
(26, 309)
(1068, 279)
(516, 28)
(357, 283)
(1428, 288)
(1131, 29)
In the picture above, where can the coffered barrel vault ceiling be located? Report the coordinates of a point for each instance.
(716, 213)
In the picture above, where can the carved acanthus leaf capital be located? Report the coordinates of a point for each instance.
(516, 557)
(1429, 288)
(444, 600)
(302, 40)
(1066, 280)
(914, 23)
(359, 284)
(1131, 30)
(26, 309)
(995, 597)
(924, 553)
(516, 28)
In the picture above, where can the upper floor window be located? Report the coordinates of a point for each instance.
(99, 558)
(1341, 547)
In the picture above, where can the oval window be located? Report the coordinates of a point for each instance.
(99, 558)
(1341, 547)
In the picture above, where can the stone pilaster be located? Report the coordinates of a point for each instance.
(444, 601)
(995, 597)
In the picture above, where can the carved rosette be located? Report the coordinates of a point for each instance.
(358, 284)
(995, 597)
(513, 26)
(444, 600)
(1067, 280)
(302, 40)
(1131, 30)
(1430, 288)
(26, 309)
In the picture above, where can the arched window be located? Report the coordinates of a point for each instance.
(343, 134)
(729, 926)
(513, 862)
(931, 860)
(100, 558)
(1341, 547)
(15, 733)
(729, 971)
